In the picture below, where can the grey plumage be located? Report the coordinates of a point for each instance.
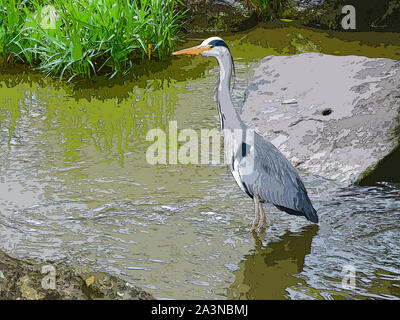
(278, 182)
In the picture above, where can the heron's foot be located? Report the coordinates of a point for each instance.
(259, 224)
(255, 224)
(259, 234)
(262, 226)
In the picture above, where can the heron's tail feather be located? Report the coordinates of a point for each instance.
(310, 213)
(307, 208)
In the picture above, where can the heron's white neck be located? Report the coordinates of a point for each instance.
(229, 117)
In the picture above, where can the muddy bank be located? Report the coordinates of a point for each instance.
(335, 117)
(34, 280)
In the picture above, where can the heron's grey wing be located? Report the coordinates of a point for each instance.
(278, 182)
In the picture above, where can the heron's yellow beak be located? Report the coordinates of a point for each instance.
(193, 50)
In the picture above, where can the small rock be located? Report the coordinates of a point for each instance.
(89, 281)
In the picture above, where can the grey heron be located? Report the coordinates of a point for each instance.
(257, 166)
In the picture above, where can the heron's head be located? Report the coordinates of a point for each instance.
(211, 47)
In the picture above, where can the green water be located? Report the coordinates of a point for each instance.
(75, 185)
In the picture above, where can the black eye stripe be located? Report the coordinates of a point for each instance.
(218, 43)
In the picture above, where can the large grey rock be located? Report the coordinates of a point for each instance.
(331, 116)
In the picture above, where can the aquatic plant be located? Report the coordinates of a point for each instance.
(85, 37)
(11, 19)
(269, 9)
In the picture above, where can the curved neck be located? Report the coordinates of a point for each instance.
(228, 115)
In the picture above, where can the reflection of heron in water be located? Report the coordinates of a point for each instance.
(259, 169)
(268, 271)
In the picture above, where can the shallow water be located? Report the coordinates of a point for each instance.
(75, 186)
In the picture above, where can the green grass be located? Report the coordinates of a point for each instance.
(269, 9)
(85, 37)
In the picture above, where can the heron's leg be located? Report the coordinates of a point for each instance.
(262, 222)
(256, 213)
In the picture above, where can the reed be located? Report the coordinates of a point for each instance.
(86, 37)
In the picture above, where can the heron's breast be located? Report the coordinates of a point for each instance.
(236, 175)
